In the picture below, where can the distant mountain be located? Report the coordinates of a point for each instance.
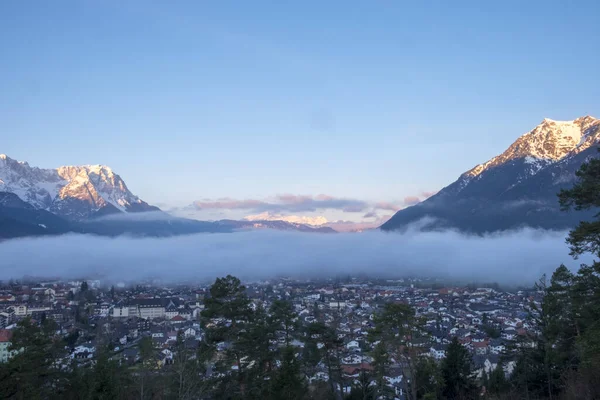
(275, 224)
(74, 192)
(303, 220)
(93, 199)
(515, 189)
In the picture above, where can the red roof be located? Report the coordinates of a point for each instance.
(178, 318)
(5, 335)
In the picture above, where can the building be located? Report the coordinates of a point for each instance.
(150, 308)
(5, 353)
(142, 308)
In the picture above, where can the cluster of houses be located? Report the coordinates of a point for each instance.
(484, 320)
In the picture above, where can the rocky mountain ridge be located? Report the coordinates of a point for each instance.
(74, 192)
(516, 188)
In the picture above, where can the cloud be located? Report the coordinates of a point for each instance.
(305, 203)
(406, 202)
(370, 214)
(426, 195)
(411, 200)
(353, 226)
(286, 203)
(384, 205)
(526, 255)
(228, 204)
(140, 216)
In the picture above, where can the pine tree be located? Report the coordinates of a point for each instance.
(283, 317)
(397, 327)
(321, 333)
(33, 373)
(428, 379)
(497, 382)
(381, 364)
(459, 382)
(288, 381)
(226, 317)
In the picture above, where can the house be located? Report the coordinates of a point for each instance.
(157, 332)
(189, 332)
(353, 345)
(171, 310)
(131, 355)
(438, 351)
(480, 347)
(496, 346)
(337, 304)
(5, 343)
(84, 351)
(177, 320)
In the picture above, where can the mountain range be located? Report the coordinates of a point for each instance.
(94, 199)
(516, 188)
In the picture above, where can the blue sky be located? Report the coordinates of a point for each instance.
(373, 101)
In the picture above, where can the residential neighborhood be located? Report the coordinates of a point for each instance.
(486, 320)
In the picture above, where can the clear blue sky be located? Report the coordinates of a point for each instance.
(370, 100)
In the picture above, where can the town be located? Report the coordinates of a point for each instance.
(91, 313)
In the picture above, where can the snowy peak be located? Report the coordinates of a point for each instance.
(547, 143)
(75, 192)
(515, 189)
(294, 219)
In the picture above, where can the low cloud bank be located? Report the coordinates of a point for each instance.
(519, 257)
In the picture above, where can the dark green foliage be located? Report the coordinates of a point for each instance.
(562, 358)
(288, 381)
(584, 195)
(321, 333)
(397, 327)
(497, 382)
(457, 373)
(429, 380)
(363, 389)
(284, 319)
(33, 372)
(491, 331)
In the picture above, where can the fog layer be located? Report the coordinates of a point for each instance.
(515, 257)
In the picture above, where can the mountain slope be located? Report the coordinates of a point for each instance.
(517, 188)
(73, 192)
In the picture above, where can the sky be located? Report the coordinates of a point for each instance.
(350, 109)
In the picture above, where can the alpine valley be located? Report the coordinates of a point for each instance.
(515, 189)
(518, 188)
(93, 199)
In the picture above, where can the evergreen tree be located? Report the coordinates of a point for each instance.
(34, 372)
(108, 380)
(397, 327)
(283, 317)
(497, 382)
(146, 368)
(363, 388)
(226, 317)
(288, 381)
(456, 368)
(327, 337)
(428, 379)
(185, 374)
(381, 364)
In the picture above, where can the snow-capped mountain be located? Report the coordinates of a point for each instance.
(73, 192)
(295, 219)
(35, 201)
(273, 224)
(517, 187)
